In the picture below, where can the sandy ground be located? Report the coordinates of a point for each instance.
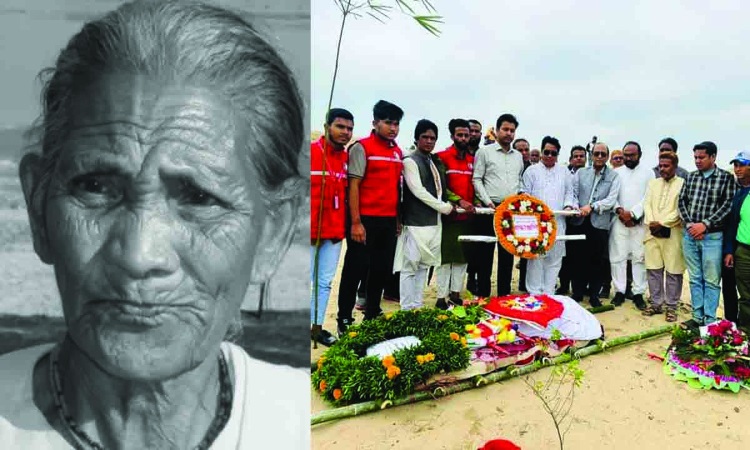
(625, 402)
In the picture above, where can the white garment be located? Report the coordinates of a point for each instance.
(627, 243)
(271, 406)
(411, 285)
(574, 323)
(542, 272)
(553, 186)
(450, 278)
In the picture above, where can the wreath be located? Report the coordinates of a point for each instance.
(715, 359)
(345, 374)
(525, 226)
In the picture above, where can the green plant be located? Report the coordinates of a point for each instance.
(557, 393)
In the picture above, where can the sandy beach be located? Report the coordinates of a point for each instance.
(625, 402)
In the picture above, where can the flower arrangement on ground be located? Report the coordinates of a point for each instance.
(712, 357)
(345, 374)
(525, 226)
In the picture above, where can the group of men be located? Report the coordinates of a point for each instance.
(403, 214)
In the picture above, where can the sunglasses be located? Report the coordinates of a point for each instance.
(617, 158)
(599, 154)
(549, 153)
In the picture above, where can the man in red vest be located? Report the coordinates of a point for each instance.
(459, 166)
(374, 194)
(328, 178)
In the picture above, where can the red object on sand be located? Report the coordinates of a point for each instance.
(540, 309)
(499, 444)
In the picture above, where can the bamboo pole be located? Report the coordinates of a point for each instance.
(494, 377)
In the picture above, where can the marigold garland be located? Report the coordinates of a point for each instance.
(525, 205)
(345, 375)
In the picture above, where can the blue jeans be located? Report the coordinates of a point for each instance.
(704, 259)
(328, 259)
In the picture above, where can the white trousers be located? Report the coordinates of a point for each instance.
(450, 278)
(542, 272)
(627, 243)
(412, 284)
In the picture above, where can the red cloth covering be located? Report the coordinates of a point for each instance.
(539, 309)
(499, 444)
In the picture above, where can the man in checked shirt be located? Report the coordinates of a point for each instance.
(705, 202)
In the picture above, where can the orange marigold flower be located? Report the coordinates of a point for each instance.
(352, 334)
(388, 361)
(393, 372)
(429, 357)
(454, 336)
(337, 394)
(463, 341)
(322, 385)
(320, 362)
(420, 359)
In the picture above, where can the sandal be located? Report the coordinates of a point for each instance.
(652, 310)
(671, 315)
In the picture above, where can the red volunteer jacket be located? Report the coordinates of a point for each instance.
(379, 189)
(458, 175)
(333, 169)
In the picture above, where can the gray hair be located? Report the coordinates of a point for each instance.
(183, 42)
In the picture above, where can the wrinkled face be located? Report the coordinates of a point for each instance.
(475, 134)
(535, 155)
(631, 156)
(667, 169)
(426, 141)
(153, 220)
(578, 158)
(340, 131)
(523, 148)
(461, 138)
(703, 161)
(599, 156)
(742, 172)
(549, 155)
(506, 133)
(386, 128)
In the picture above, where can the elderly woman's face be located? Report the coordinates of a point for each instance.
(153, 220)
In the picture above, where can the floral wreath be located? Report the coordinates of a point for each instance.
(525, 226)
(716, 360)
(344, 375)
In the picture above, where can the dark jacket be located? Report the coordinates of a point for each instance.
(414, 211)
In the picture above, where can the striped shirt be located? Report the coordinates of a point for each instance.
(707, 199)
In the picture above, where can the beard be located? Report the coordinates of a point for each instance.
(631, 164)
(474, 142)
(462, 146)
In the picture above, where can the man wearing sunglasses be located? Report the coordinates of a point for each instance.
(616, 159)
(669, 145)
(627, 232)
(552, 184)
(596, 189)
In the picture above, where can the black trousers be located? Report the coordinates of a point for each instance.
(522, 274)
(371, 261)
(482, 254)
(590, 259)
(729, 291)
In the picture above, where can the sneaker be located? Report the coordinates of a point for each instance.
(343, 326)
(619, 299)
(441, 304)
(639, 302)
(690, 324)
(323, 337)
(595, 302)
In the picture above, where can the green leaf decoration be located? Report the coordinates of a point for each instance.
(459, 311)
(694, 383)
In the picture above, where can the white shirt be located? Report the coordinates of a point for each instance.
(633, 185)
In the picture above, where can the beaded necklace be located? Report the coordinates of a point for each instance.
(85, 442)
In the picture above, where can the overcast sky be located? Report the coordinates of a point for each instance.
(571, 69)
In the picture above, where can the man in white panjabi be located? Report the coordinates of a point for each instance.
(626, 235)
(552, 184)
(418, 246)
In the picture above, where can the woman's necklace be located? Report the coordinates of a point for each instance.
(221, 418)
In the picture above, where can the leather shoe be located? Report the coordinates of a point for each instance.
(595, 302)
(638, 302)
(619, 299)
(323, 337)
